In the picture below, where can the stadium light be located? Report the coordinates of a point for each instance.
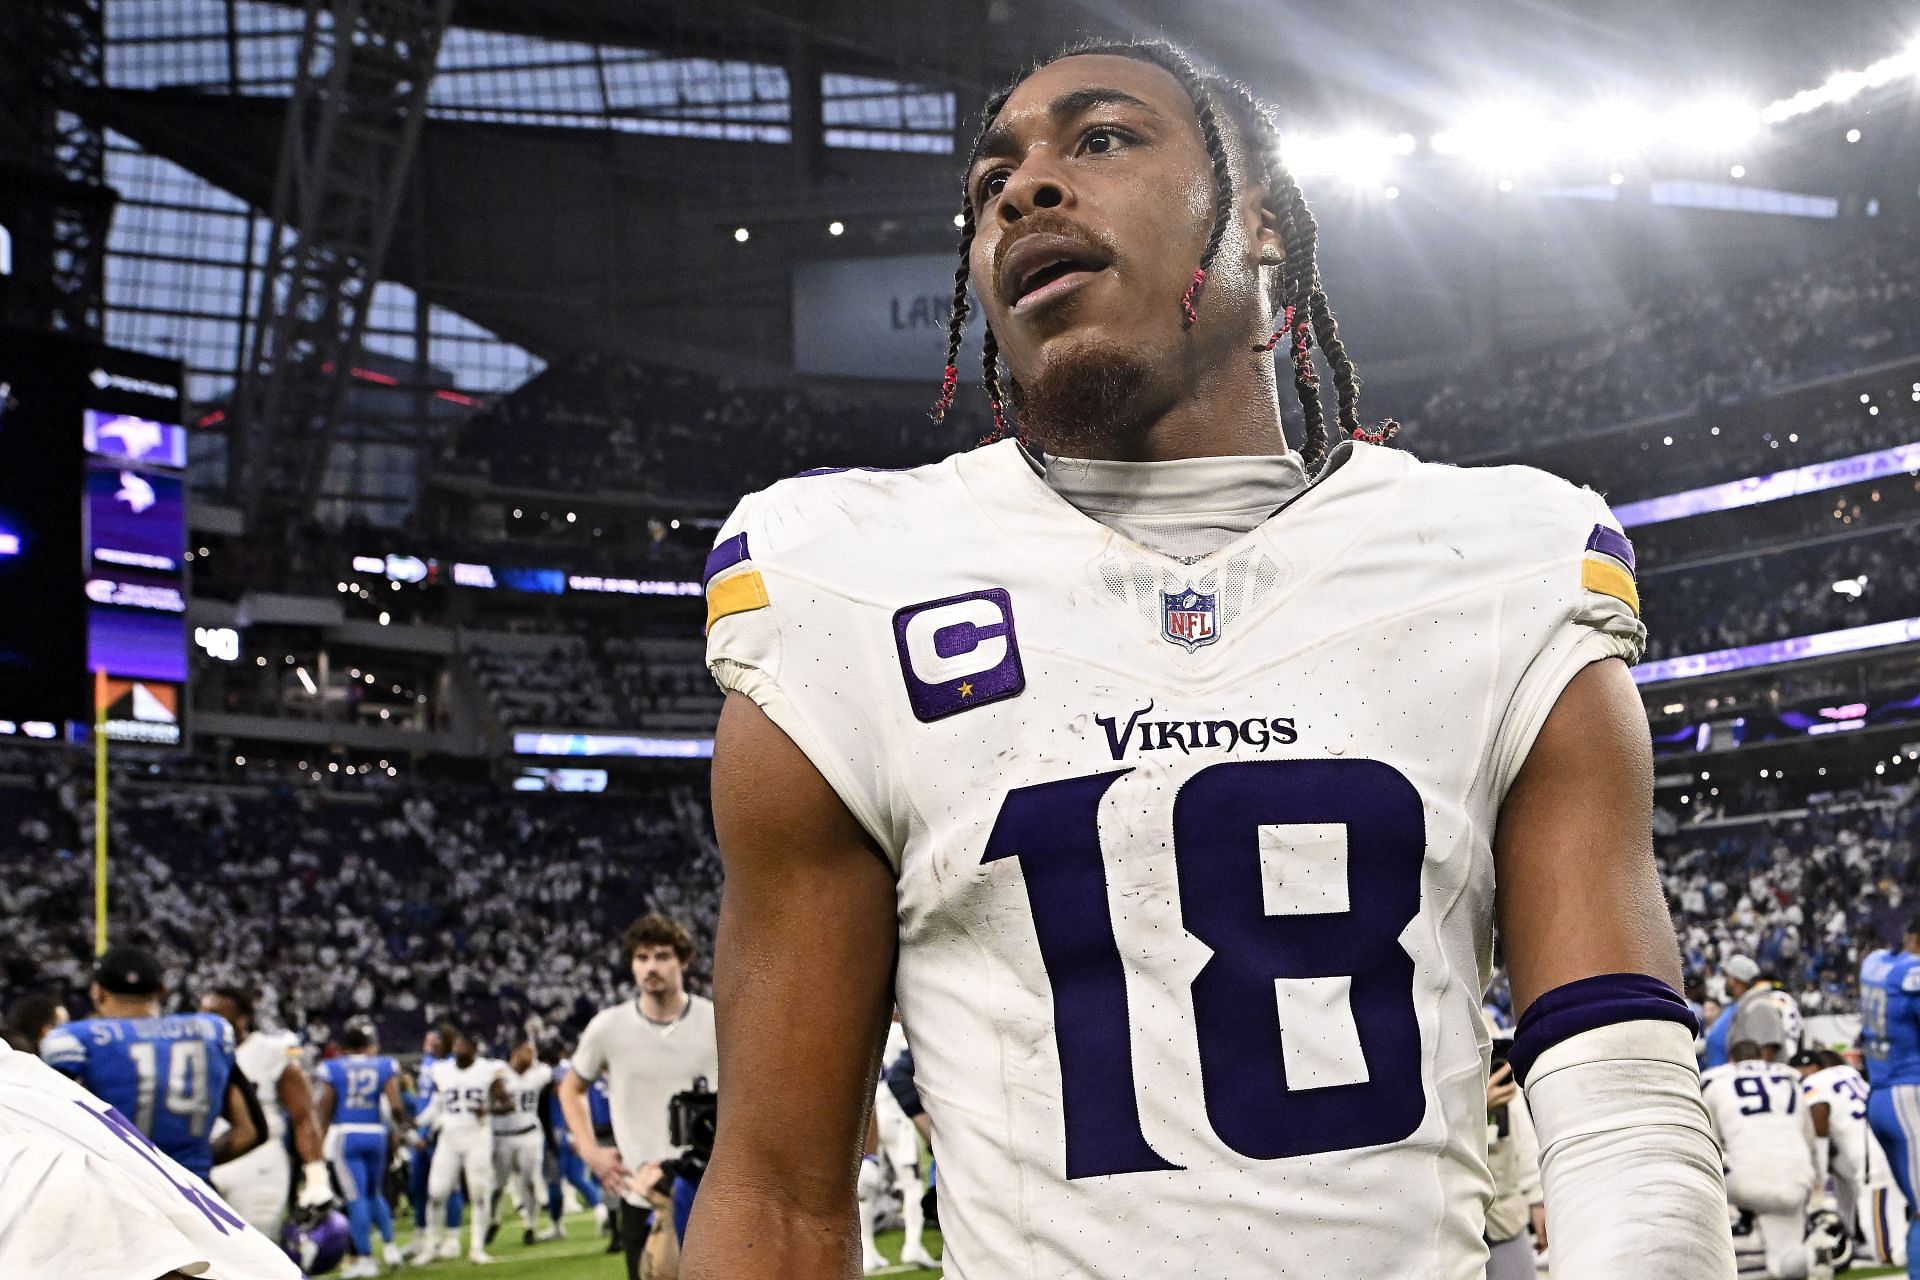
(1509, 136)
(1358, 157)
(1845, 86)
(1611, 131)
(836, 228)
(741, 234)
(1711, 125)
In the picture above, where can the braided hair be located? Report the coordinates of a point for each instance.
(1306, 318)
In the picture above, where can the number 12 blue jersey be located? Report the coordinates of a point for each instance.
(168, 1075)
(358, 1081)
(1194, 858)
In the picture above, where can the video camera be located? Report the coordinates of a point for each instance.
(692, 1118)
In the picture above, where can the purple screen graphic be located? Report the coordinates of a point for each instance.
(140, 440)
(139, 644)
(137, 518)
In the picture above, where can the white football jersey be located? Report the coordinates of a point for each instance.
(1195, 877)
(464, 1096)
(84, 1194)
(524, 1088)
(262, 1056)
(1761, 1119)
(1857, 1155)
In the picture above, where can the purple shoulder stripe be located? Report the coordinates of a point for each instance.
(840, 471)
(1591, 1003)
(725, 556)
(1610, 540)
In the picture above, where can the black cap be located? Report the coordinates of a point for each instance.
(1808, 1058)
(130, 971)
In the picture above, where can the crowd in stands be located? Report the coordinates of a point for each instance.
(592, 422)
(411, 903)
(594, 680)
(1778, 595)
(1686, 345)
(1754, 438)
(399, 907)
(562, 686)
(1806, 894)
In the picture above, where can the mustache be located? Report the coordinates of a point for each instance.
(1052, 222)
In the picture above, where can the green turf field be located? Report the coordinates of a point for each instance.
(583, 1256)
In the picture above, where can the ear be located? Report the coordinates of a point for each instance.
(1261, 222)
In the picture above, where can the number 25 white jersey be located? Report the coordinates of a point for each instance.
(1195, 877)
(464, 1095)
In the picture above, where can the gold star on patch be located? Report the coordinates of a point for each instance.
(966, 689)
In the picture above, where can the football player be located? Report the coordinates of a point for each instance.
(1174, 779)
(568, 1167)
(257, 1183)
(468, 1091)
(433, 1047)
(1768, 1136)
(353, 1089)
(1866, 1197)
(519, 1142)
(1890, 1031)
(84, 1193)
(899, 1155)
(171, 1075)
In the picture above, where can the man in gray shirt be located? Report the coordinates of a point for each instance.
(1764, 1016)
(649, 1048)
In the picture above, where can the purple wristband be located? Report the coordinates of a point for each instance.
(1589, 1003)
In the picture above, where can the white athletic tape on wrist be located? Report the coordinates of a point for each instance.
(1628, 1158)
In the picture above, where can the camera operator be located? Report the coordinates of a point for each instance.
(650, 1049)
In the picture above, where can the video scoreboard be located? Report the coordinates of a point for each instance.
(93, 539)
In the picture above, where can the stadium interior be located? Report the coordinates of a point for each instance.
(461, 325)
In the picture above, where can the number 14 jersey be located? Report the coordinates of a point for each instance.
(1195, 875)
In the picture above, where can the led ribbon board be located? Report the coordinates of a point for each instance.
(1825, 644)
(1771, 487)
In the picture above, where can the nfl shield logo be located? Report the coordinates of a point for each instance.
(1188, 618)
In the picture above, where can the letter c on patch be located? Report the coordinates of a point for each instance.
(956, 640)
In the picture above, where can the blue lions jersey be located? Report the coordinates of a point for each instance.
(358, 1082)
(423, 1085)
(600, 1106)
(168, 1075)
(556, 1117)
(1890, 1017)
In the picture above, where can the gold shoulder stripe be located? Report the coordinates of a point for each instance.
(1609, 579)
(736, 593)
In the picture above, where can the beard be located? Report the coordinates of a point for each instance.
(1082, 396)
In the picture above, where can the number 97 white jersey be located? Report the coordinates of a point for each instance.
(1760, 1115)
(1195, 882)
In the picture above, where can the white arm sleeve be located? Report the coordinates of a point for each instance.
(1628, 1159)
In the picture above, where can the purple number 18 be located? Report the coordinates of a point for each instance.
(1052, 830)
